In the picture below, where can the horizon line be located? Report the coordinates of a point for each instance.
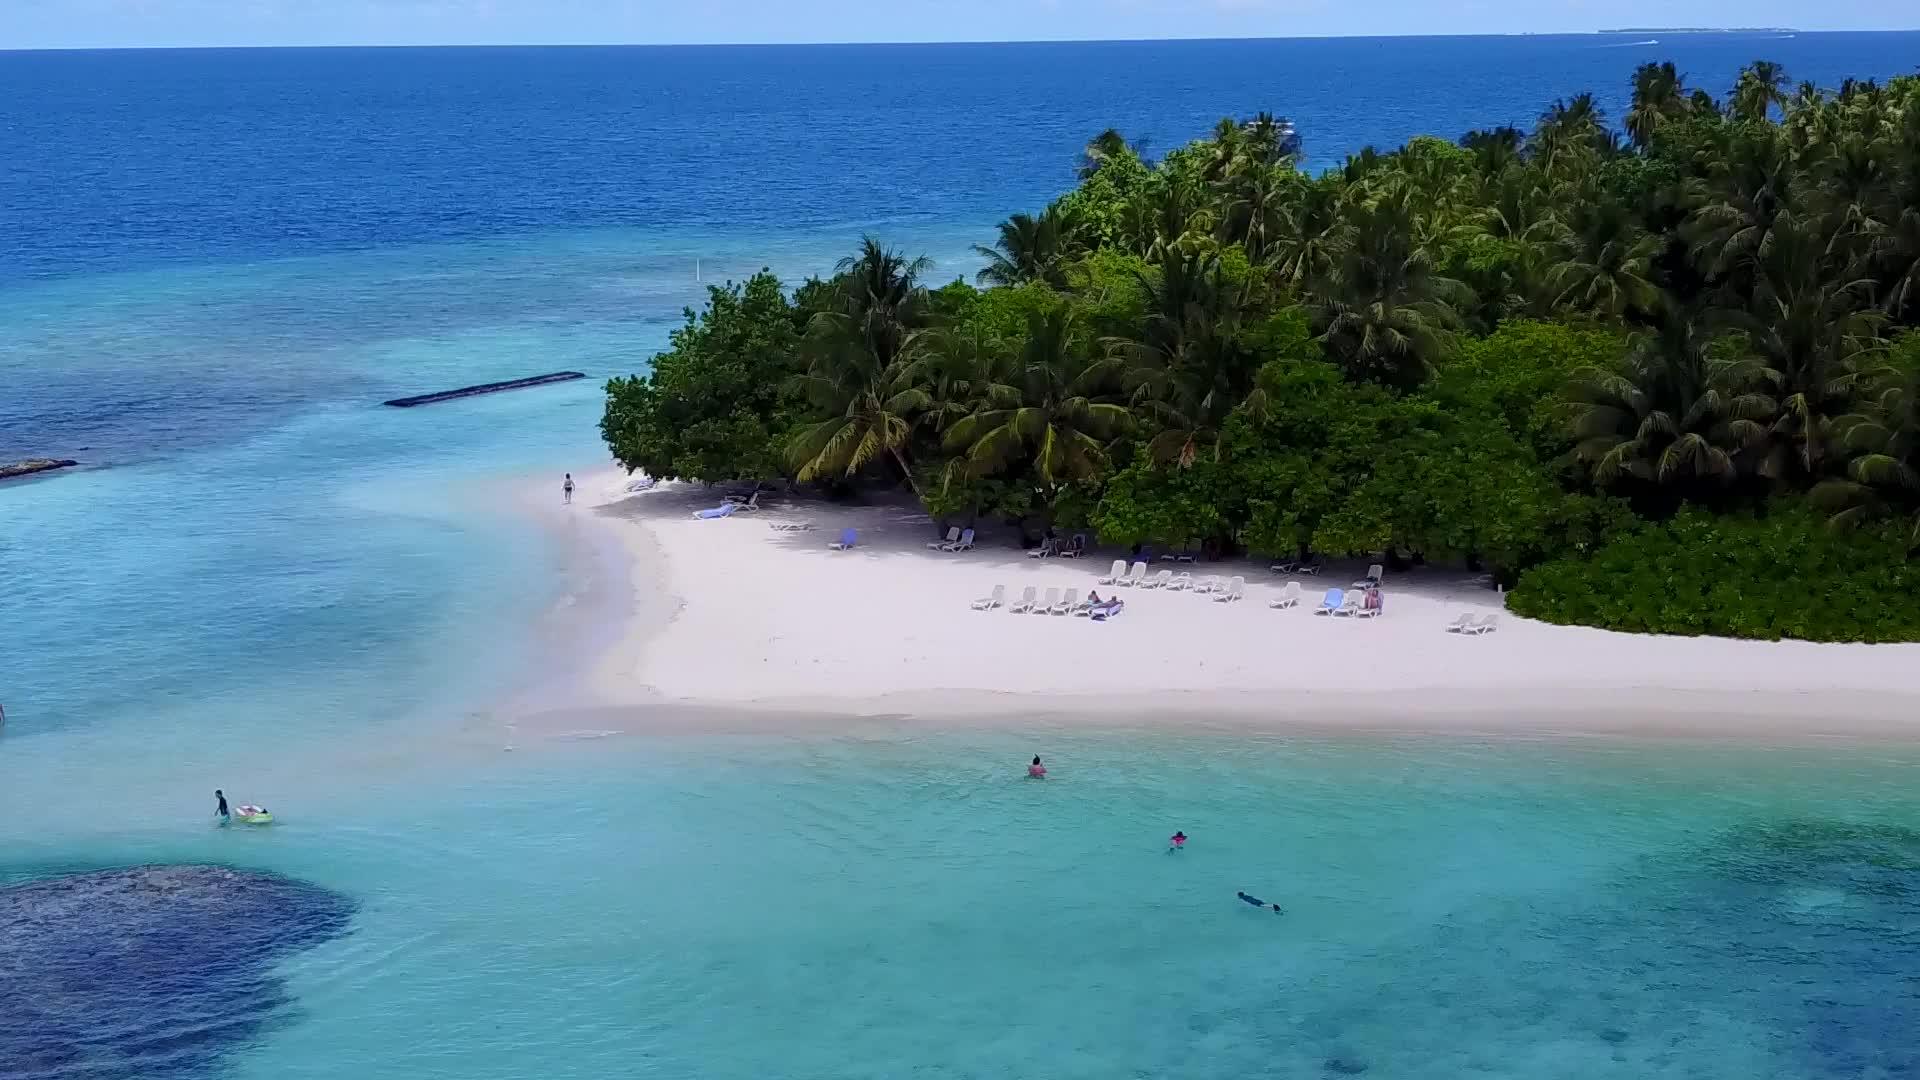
(1601, 32)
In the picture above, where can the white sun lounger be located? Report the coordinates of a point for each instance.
(1181, 580)
(988, 603)
(1116, 575)
(1366, 612)
(1067, 603)
(965, 543)
(1236, 589)
(1046, 606)
(1350, 604)
(1158, 581)
(1025, 603)
(790, 526)
(1210, 583)
(1461, 622)
(1137, 575)
(953, 533)
(1289, 596)
(1488, 624)
(1374, 574)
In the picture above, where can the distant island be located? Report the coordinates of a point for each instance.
(1701, 30)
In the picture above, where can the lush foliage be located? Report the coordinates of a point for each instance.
(1784, 574)
(1538, 348)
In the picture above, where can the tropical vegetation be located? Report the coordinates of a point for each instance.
(1661, 377)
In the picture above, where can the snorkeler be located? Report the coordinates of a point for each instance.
(1177, 842)
(1257, 902)
(1036, 771)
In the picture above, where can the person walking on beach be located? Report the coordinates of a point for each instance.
(566, 489)
(220, 809)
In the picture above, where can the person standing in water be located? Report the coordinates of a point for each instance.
(566, 488)
(1036, 771)
(220, 809)
(1177, 842)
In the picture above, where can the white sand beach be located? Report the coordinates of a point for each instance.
(731, 611)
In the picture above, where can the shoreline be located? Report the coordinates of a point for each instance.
(726, 626)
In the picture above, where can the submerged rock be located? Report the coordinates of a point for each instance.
(34, 465)
(1346, 1066)
(151, 971)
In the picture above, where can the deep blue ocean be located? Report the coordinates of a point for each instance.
(215, 264)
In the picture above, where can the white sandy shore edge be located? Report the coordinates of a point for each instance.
(730, 613)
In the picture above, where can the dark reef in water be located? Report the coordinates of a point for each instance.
(151, 971)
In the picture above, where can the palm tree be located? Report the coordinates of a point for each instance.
(1270, 140)
(1809, 330)
(1108, 146)
(1883, 478)
(1672, 415)
(1609, 265)
(1185, 367)
(1659, 99)
(1256, 206)
(861, 374)
(1175, 216)
(1495, 150)
(1570, 134)
(1031, 249)
(1751, 181)
(1053, 410)
(1760, 86)
(1382, 309)
(1310, 233)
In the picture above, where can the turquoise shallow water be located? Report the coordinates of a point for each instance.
(902, 903)
(265, 582)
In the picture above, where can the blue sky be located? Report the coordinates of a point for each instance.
(124, 23)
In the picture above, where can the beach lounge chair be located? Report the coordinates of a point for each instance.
(1329, 603)
(1045, 607)
(1208, 584)
(1137, 575)
(743, 500)
(1107, 609)
(1374, 574)
(1085, 607)
(1461, 622)
(965, 543)
(1047, 549)
(1289, 596)
(790, 526)
(1308, 566)
(988, 603)
(1350, 604)
(1181, 580)
(1116, 575)
(1488, 624)
(1378, 607)
(848, 538)
(953, 533)
(1025, 603)
(1285, 566)
(1076, 549)
(751, 502)
(1236, 590)
(1158, 581)
(1067, 603)
(723, 510)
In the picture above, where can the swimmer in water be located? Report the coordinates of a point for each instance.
(220, 808)
(1177, 842)
(1257, 902)
(1036, 771)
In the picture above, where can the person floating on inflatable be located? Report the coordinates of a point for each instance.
(1177, 842)
(1036, 771)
